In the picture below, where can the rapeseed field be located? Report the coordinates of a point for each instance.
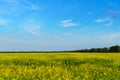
(59, 66)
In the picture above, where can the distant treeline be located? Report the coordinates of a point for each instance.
(103, 50)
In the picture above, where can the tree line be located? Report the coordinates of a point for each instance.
(105, 49)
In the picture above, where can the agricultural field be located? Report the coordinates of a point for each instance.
(59, 66)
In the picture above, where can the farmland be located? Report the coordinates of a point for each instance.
(59, 66)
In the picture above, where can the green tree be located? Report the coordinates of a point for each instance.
(115, 48)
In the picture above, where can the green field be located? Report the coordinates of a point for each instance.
(59, 66)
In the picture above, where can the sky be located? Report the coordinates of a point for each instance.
(52, 25)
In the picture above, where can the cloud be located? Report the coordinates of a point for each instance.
(33, 30)
(112, 13)
(12, 1)
(110, 37)
(32, 6)
(100, 20)
(68, 23)
(25, 4)
(108, 21)
(4, 22)
(11, 7)
(31, 26)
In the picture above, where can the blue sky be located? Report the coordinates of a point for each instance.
(45, 25)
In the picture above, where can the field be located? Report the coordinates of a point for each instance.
(59, 66)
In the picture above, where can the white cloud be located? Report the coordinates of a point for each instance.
(108, 21)
(34, 30)
(68, 23)
(32, 6)
(12, 1)
(113, 13)
(25, 4)
(31, 26)
(4, 22)
(99, 20)
(110, 37)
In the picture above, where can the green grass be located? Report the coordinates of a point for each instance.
(60, 66)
